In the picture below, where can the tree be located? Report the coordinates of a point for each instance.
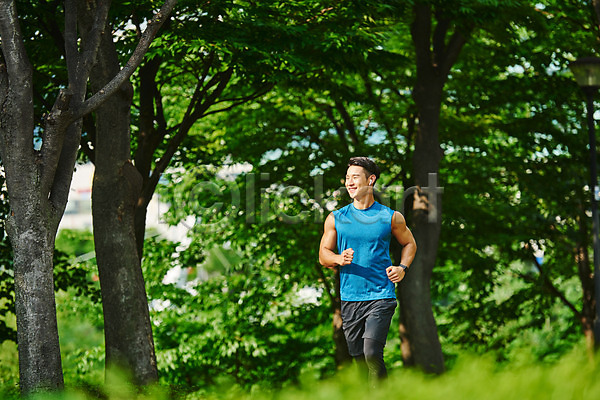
(116, 186)
(513, 203)
(38, 180)
(436, 50)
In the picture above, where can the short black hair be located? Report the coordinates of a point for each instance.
(367, 164)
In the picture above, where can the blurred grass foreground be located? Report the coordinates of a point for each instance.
(574, 376)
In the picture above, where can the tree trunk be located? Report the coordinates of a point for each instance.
(32, 222)
(37, 330)
(418, 330)
(584, 269)
(342, 354)
(116, 188)
(436, 50)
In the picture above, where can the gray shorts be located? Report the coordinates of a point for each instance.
(366, 319)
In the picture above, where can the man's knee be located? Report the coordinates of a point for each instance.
(373, 349)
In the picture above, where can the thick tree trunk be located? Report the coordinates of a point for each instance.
(436, 49)
(116, 188)
(37, 331)
(32, 222)
(418, 330)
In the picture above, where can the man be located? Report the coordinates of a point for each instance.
(360, 233)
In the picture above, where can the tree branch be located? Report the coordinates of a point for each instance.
(63, 176)
(238, 101)
(376, 103)
(554, 290)
(196, 110)
(452, 51)
(420, 30)
(55, 129)
(71, 53)
(347, 122)
(58, 122)
(17, 73)
(331, 117)
(207, 65)
(89, 48)
(439, 39)
(3, 94)
(199, 103)
(148, 136)
(134, 61)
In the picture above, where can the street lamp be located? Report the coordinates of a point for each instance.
(587, 75)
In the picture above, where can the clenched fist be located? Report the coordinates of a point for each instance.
(395, 274)
(346, 257)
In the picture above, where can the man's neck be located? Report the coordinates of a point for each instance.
(364, 202)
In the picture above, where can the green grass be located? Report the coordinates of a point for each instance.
(572, 377)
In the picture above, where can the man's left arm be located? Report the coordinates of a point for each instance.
(409, 248)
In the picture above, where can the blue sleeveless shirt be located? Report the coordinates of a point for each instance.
(368, 233)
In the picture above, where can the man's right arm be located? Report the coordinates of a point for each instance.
(327, 256)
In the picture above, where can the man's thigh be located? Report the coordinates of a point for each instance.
(366, 319)
(379, 318)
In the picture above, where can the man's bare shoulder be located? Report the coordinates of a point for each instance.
(398, 219)
(330, 221)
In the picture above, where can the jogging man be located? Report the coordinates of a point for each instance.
(357, 239)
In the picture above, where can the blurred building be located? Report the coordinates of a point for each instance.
(78, 213)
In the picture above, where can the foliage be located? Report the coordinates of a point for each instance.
(504, 160)
(81, 338)
(75, 242)
(472, 378)
(258, 182)
(245, 325)
(504, 155)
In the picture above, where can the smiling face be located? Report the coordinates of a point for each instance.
(357, 181)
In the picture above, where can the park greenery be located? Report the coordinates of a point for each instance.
(240, 119)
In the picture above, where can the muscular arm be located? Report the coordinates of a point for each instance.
(409, 247)
(327, 255)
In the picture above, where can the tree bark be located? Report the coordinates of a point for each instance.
(116, 188)
(37, 331)
(416, 315)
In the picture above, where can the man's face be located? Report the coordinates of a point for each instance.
(357, 183)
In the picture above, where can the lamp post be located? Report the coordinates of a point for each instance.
(587, 74)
